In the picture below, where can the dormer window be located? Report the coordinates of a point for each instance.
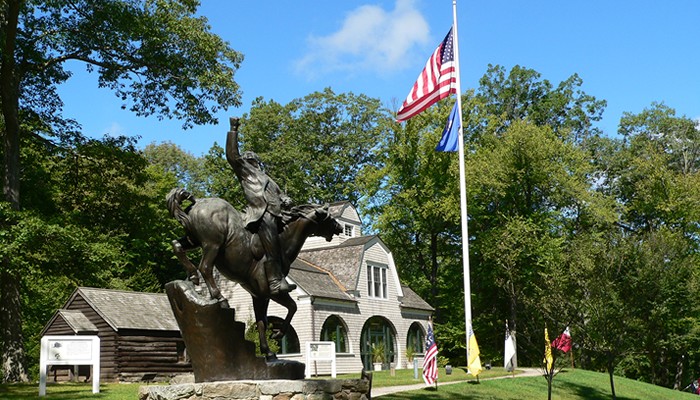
(376, 281)
(349, 230)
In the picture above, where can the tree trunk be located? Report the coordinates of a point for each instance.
(679, 373)
(11, 339)
(434, 273)
(611, 368)
(514, 327)
(13, 362)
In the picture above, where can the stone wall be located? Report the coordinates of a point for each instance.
(331, 389)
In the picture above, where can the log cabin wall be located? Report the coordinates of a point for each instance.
(151, 356)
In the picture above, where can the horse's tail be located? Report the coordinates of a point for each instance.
(175, 199)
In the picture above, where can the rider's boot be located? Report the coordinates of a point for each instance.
(276, 280)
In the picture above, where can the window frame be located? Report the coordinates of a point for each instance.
(349, 228)
(377, 281)
(341, 332)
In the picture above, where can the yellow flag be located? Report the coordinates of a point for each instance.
(474, 361)
(547, 351)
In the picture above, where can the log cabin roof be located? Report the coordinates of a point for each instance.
(75, 319)
(129, 310)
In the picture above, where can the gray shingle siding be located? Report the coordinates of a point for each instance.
(332, 281)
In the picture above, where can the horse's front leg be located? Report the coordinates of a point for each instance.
(180, 247)
(260, 308)
(206, 268)
(286, 301)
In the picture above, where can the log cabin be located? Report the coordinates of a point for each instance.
(139, 337)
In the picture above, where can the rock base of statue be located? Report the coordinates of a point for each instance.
(355, 389)
(215, 342)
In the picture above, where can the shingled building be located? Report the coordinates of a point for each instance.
(348, 292)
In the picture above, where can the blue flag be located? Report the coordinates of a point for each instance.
(451, 132)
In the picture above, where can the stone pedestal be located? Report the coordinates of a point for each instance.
(215, 341)
(350, 389)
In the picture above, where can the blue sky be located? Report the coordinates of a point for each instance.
(630, 53)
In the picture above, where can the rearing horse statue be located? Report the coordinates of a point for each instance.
(219, 229)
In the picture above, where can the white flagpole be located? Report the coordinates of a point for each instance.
(462, 186)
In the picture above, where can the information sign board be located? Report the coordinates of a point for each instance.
(69, 350)
(320, 351)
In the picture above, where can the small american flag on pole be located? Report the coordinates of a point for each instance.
(437, 81)
(430, 370)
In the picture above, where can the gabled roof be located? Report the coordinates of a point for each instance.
(317, 281)
(129, 310)
(336, 209)
(343, 260)
(75, 320)
(412, 300)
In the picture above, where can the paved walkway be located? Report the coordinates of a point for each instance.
(376, 392)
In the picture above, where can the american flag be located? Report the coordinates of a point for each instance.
(430, 371)
(437, 81)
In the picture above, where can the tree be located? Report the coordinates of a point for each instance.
(528, 180)
(529, 195)
(521, 95)
(183, 70)
(185, 169)
(318, 147)
(655, 179)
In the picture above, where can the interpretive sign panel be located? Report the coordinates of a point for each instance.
(69, 350)
(320, 351)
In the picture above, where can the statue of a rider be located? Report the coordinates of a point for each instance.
(264, 211)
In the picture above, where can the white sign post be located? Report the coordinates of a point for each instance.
(69, 350)
(320, 351)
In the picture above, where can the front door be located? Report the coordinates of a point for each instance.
(377, 331)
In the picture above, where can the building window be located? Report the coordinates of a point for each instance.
(349, 230)
(334, 331)
(415, 338)
(182, 356)
(377, 331)
(289, 344)
(376, 281)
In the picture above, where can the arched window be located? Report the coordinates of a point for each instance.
(378, 332)
(289, 344)
(334, 331)
(415, 338)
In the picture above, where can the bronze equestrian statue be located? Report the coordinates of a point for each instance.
(254, 248)
(264, 211)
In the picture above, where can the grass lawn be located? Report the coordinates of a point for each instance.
(568, 385)
(70, 391)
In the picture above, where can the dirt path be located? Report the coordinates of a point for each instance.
(376, 392)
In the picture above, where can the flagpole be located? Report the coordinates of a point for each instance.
(462, 186)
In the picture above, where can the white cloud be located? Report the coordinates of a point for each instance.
(370, 39)
(114, 130)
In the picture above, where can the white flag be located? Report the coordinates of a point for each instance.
(509, 351)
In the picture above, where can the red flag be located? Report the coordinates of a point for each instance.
(437, 81)
(430, 373)
(563, 341)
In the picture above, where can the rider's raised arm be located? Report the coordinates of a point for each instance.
(232, 153)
